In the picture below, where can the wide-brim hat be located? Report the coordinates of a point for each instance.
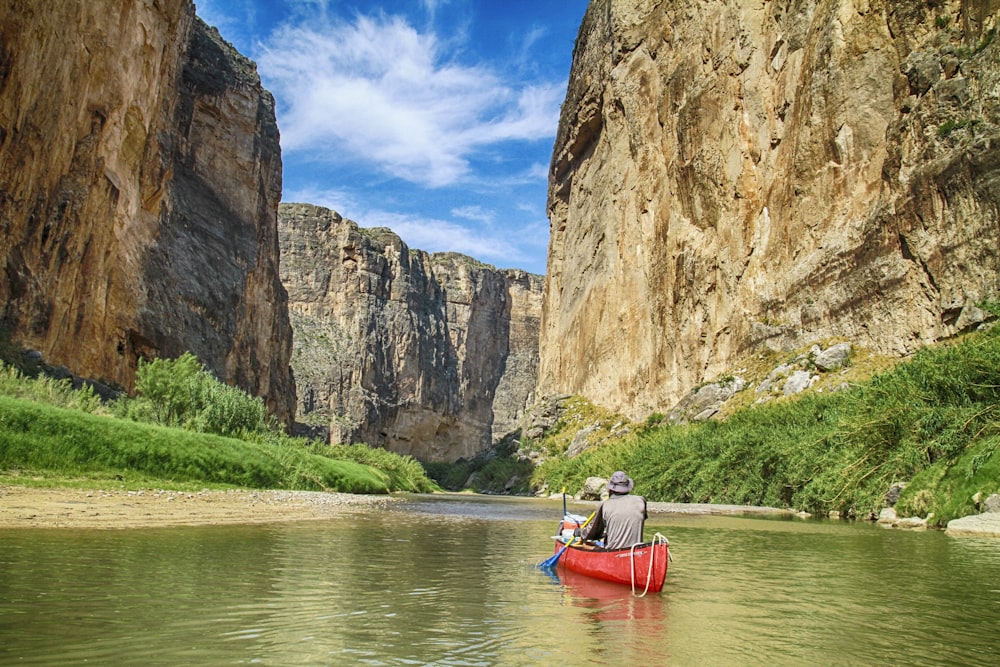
(620, 483)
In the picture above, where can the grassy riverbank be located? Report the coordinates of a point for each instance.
(932, 421)
(51, 434)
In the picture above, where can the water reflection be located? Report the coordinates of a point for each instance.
(453, 581)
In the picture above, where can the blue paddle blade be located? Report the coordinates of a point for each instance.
(552, 560)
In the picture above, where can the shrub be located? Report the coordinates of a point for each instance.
(181, 392)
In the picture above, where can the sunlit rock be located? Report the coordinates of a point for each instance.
(140, 175)
(731, 177)
(430, 355)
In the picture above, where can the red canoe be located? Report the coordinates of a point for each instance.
(643, 567)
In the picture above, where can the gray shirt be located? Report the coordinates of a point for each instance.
(621, 519)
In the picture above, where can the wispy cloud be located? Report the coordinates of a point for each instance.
(380, 90)
(474, 213)
(220, 13)
(431, 6)
(341, 201)
(434, 235)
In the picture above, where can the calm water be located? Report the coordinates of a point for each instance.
(452, 581)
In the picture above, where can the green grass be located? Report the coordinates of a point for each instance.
(403, 473)
(65, 443)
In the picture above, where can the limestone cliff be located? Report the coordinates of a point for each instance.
(428, 355)
(729, 176)
(140, 176)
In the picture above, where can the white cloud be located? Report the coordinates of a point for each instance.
(539, 171)
(473, 213)
(380, 90)
(222, 17)
(340, 201)
(431, 6)
(434, 235)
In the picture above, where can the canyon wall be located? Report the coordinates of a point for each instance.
(140, 175)
(730, 177)
(430, 355)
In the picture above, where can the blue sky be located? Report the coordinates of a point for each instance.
(434, 118)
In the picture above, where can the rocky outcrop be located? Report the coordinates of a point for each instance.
(731, 176)
(433, 356)
(140, 176)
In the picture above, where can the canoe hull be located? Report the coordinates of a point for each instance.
(643, 568)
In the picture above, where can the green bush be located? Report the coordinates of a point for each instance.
(448, 476)
(947, 488)
(404, 473)
(181, 392)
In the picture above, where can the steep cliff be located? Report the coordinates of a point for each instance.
(140, 175)
(730, 176)
(427, 355)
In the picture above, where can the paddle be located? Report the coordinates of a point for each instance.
(552, 560)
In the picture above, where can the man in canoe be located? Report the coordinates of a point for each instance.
(621, 518)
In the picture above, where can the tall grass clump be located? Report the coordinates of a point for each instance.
(47, 390)
(404, 473)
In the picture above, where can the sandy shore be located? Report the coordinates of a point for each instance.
(25, 507)
(29, 507)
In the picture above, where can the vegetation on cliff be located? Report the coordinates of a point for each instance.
(183, 428)
(932, 421)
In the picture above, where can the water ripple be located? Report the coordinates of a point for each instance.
(425, 587)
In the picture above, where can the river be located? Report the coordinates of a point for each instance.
(452, 580)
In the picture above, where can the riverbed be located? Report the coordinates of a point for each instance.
(452, 580)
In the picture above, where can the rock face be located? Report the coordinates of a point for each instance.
(433, 356)
(140, 175)
(729, 176)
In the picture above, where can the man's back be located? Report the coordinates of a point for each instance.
(624, 517)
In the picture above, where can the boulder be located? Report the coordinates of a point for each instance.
(888, 516)
(706, 401)
(581, 441)
(833, 358)
(986, 524)
(595, 488)
(912, 522)
(798, 382)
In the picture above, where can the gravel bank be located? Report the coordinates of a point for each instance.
(26, 507)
